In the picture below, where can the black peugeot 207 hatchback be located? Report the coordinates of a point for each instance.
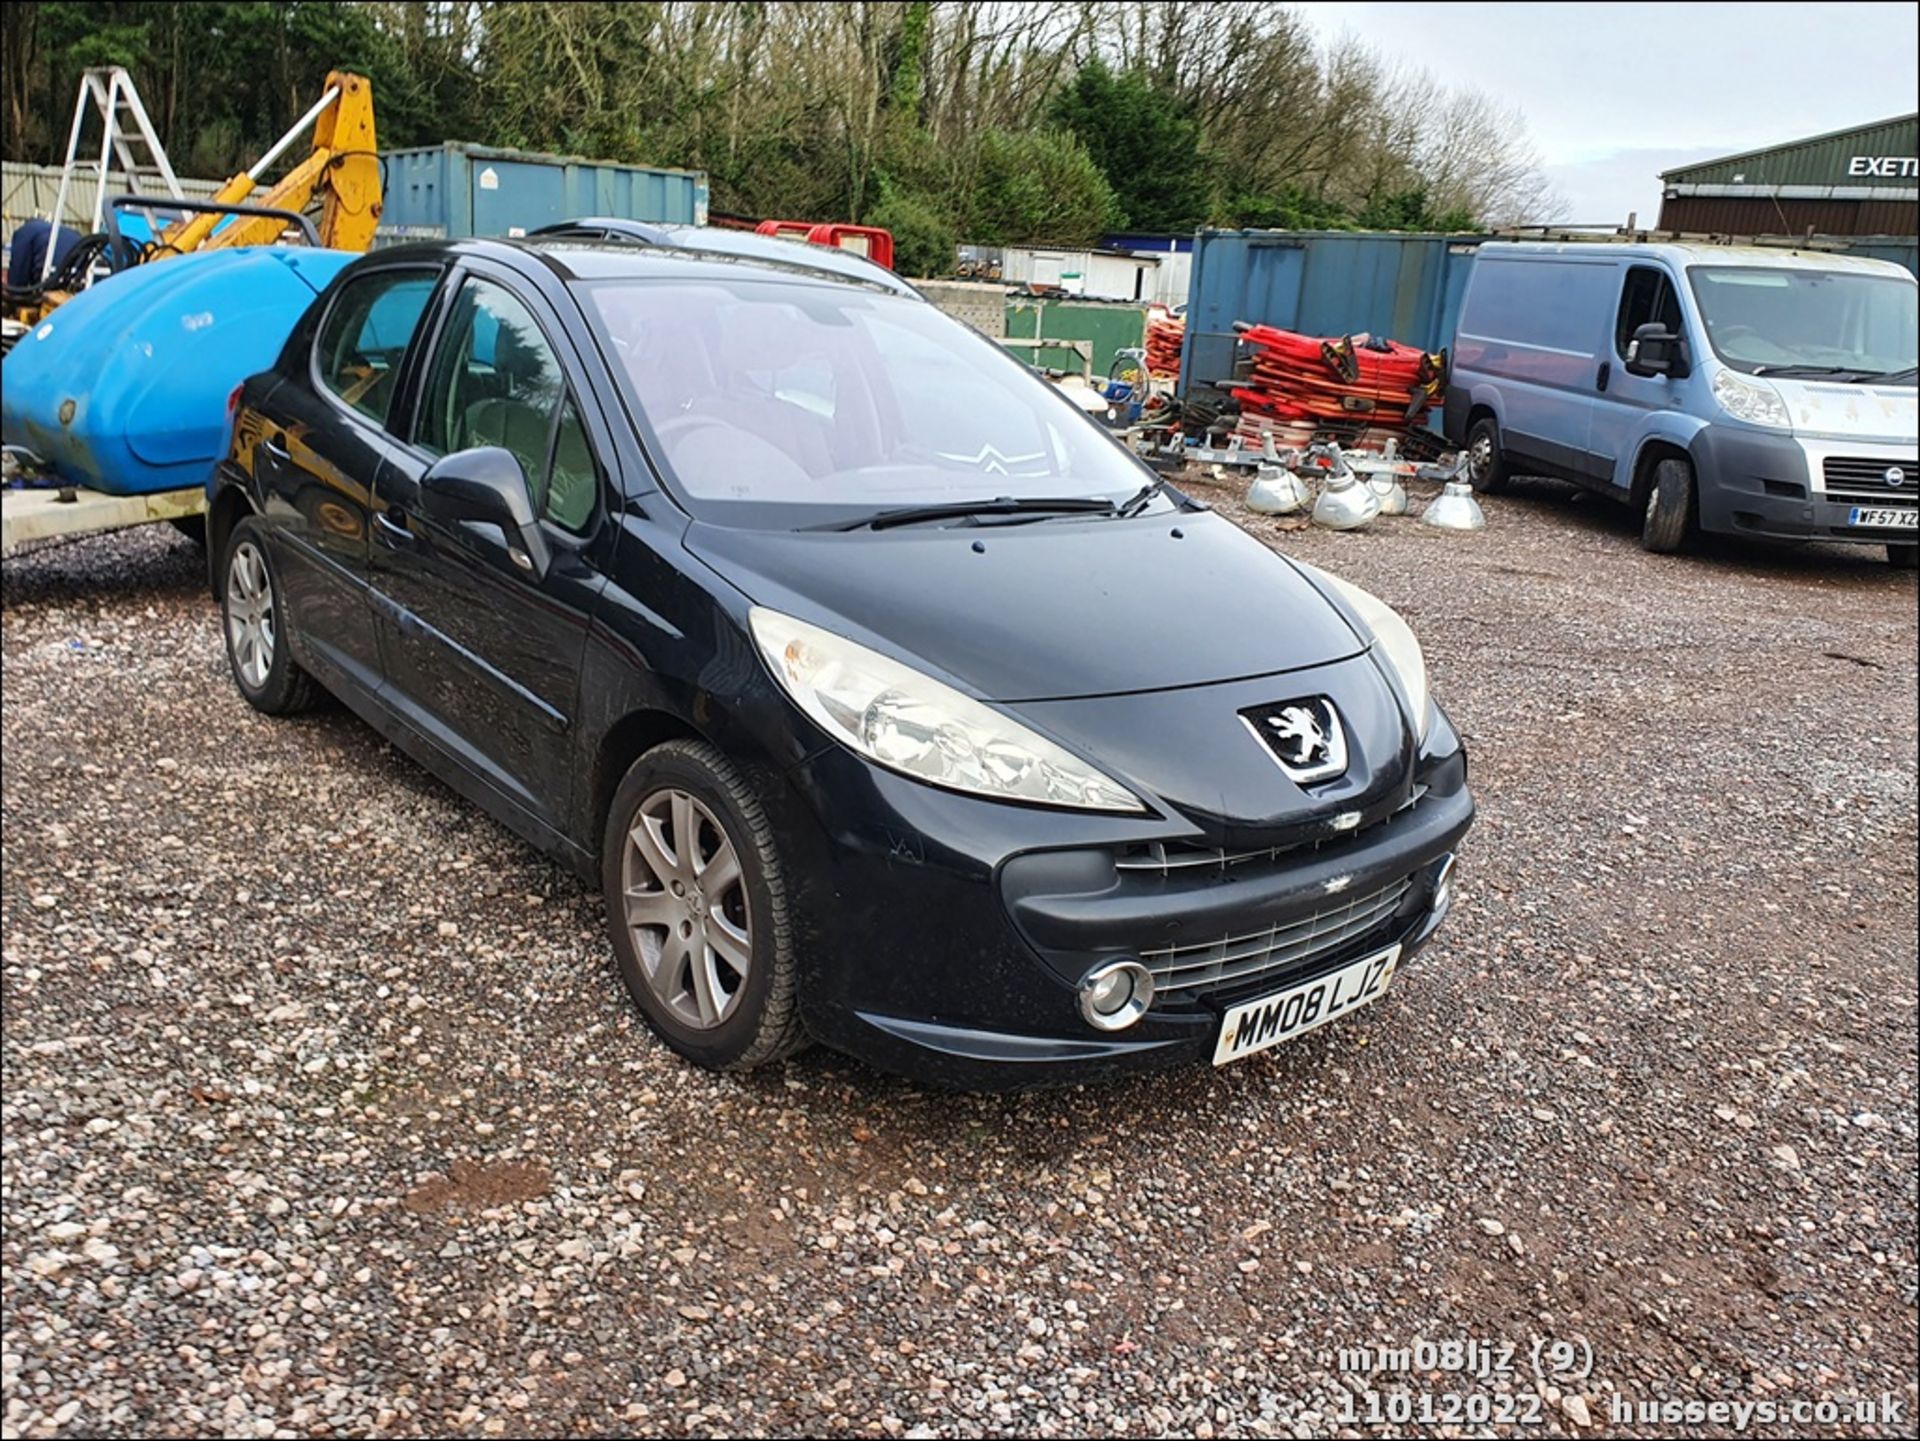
(892, 703)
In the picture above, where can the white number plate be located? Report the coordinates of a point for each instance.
(1884, 517)
(1258, 1025)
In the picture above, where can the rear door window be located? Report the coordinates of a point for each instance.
(366, 334)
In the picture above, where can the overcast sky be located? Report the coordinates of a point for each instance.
(1614, 94)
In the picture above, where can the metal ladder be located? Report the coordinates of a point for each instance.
(111, 93)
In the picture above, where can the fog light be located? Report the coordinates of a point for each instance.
(1115, 994)
(1443, 884)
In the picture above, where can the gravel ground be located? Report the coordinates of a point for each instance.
(325, 1113)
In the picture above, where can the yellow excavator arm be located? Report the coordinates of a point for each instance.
(343, 165)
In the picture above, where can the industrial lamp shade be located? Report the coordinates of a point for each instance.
(1346, 503)
(1455, 509)
(1277, 491)
(1392, 492)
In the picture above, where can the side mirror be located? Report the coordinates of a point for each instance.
(1655, 350)
(486, 485)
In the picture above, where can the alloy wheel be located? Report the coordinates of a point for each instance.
(686, 907)
(250, 614)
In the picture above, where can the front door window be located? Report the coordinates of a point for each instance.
(1647, 297)
(497, 381)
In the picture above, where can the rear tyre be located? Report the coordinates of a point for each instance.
(1669, 516)
(254, 617)
(1903, 557)
(697, 909)
(1486, 465)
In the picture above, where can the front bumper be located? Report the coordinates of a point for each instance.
(944, 937)
(1775, 486)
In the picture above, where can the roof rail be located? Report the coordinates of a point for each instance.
(736, 244)
(1648, 235)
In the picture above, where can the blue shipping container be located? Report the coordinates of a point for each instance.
(1407, 287)
(457, 189)
(1900, 253)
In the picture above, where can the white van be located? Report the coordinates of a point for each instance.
(1753, 391)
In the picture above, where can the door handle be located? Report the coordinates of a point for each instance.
(272, 445)
(393, 532)
(1606, 372)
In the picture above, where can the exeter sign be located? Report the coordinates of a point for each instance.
(1884, 167)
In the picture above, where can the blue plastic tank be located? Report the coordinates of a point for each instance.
(124, 388)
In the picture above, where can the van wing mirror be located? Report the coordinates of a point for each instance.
(487, 486)
(1655, 350)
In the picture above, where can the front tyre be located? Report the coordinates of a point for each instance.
(697, 909)
(1669, 515)
(253, 617)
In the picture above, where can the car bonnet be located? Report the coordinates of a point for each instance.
(1060, 609)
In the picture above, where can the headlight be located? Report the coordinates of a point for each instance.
(1395, 639)
(909, 722)
(1753, 401)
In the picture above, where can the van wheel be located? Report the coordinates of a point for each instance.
(1486, 466)
(1903, 557)
(1669, 516)
(697, 907)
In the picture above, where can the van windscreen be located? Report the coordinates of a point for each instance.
(1761, 319)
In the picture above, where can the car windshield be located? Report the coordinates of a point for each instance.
(1761, 320)
(781, 403)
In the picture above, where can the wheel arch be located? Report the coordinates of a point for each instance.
(229, 507)
(625, 741)
(1652, 451)
(1484, 400)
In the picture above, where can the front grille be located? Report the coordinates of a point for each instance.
(1858, 479)
(1181, 973)
(1165, 858)
(1182, 858)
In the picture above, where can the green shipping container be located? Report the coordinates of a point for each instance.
(1109, 326)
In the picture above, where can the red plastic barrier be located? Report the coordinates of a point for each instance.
(1304, 377)
(868, 240)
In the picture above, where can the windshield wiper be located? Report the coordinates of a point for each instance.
(967, 509)
(1791, 371)
(1141, 498)
(1896, 376)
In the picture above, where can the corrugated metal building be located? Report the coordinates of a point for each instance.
(1860, 181)
(1151, 277)
(30, 190)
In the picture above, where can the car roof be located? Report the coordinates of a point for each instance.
(569, 258)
